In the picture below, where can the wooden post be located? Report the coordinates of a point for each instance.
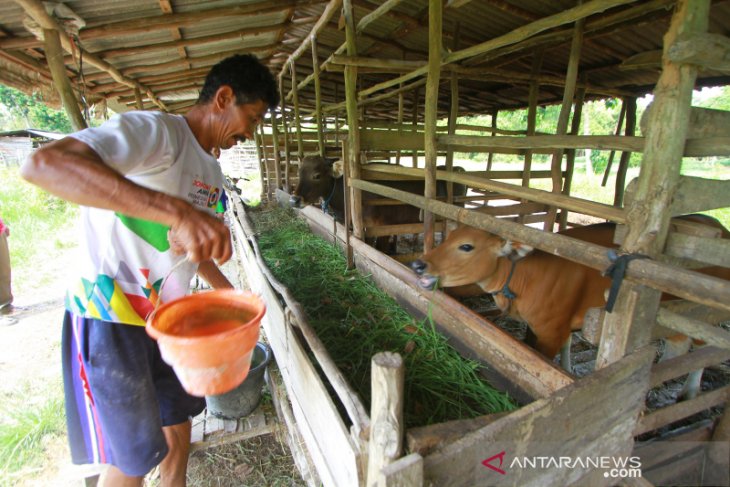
(401, 102)
(453, 114)
(138, 98)
(490, 157)
(386, 413)
(297, 119)
(717, 450)
(277, 153)
(571, 77)
(623, 165)
(353, 125)
(415, 123)
(285, 127)
(435, 48)
(266, 189)
(619, 126)
(54, 57)
(531, 119)
(570, 160)
(317, 96)
(630, 324)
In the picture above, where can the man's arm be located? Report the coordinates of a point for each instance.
(212, 274)
(71, 170)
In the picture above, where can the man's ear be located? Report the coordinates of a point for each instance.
(338, 168)
(223, 97)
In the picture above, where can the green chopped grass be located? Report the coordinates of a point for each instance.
(355, 320)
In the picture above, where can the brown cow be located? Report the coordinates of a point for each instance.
(551, 294)
(321, 179)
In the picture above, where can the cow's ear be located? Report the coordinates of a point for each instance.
(338, 168)
(516, 249)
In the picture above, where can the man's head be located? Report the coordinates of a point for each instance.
(237, 93)
(248, 78)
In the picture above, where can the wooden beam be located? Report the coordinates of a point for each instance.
(330, 10)
(704, 50)
(54, 57)
(185, 19)
(681, 410)
(375, 15)
(36, 10)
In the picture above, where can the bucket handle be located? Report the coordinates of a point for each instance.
(162, 285)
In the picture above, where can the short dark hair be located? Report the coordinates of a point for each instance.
(247, 76)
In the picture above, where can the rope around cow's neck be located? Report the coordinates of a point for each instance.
(326, 202)
(506, 291)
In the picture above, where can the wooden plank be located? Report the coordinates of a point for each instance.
(678, 366)
(425, 439)
(535, 195)
(657, 451)
(220, 438)
(593, 417)
(328, 440)
(681, 410)
(404, 472)
(677, 472)
(709, 51)
(696, 194)
(694, 328)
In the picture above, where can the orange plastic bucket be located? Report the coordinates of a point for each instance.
(208, 338)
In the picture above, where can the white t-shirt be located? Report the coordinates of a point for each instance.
(128, 258)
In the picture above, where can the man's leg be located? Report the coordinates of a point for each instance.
(174, 467)
(6, 295)
(113, 477)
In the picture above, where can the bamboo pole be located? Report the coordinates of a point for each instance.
(386, 413)
(414, 122)
(54, 57)
(375, 15)
(353, 125)
(619, 126)
(623, 165)
(531, 117)
(330, 10)
(629, 326)
(435, 53)
(570, 160)
(453, 115)
(285, 128)
(317, 96)
(490, 158)
(297, 119)
(277, 153)
(399, 120)
(571, 78)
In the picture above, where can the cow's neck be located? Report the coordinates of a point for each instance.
(505, 283)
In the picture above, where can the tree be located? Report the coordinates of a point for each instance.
(25, 111)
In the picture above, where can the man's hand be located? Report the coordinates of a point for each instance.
(202, 237)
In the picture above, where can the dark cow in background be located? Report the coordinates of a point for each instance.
(321, 179)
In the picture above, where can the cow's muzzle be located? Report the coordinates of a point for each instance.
(427, 281)
(295, 201)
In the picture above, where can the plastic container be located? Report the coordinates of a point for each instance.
(208, 338)
(242, 400)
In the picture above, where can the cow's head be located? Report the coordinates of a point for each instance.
(317, 178)
(467, 256)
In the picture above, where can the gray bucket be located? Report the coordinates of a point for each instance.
(242, 400)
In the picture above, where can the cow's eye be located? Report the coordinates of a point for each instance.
(466, 247)
(315, 176)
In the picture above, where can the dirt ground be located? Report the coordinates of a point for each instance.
(30, 366)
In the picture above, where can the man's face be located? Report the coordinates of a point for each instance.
(240, 121)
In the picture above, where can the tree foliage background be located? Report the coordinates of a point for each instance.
(20, 111)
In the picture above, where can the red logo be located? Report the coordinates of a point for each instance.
(487, 463)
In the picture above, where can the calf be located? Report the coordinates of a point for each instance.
(551, 294)
(321, 179)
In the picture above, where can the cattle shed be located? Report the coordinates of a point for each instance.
(368, 81)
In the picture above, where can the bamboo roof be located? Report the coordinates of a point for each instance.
(163, 49)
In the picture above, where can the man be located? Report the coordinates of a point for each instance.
(148, 185)
(6, 292)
